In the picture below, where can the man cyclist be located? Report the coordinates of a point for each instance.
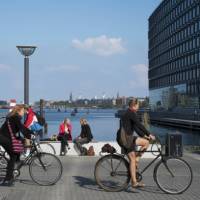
(131, 123)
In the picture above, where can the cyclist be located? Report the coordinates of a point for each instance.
(13, 122)
(131, 123)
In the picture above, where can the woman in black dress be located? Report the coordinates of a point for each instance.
(14, 119)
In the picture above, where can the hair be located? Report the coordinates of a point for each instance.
(83, 120)
(133, 102)
(65, 121)
(16, 109)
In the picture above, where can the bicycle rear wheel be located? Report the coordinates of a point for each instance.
(47, 148)
(3, 167)
(45, 169)
(173, 175)
(112, 173)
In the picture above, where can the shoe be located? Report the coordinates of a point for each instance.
(137, 184)
(8, 183)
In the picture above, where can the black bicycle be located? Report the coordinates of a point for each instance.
(173, 175)
(44, 168)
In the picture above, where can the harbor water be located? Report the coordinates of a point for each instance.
(104, 125)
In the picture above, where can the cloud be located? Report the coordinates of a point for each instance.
(4, 67)
(140, 77)
(102, 45)
(66, 68)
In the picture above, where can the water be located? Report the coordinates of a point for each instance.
(104, 125)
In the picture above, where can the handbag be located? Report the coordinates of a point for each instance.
(125, 140)
(17, 145)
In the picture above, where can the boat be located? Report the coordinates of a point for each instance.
(73, 113)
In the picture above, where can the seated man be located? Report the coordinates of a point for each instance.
(85, 136)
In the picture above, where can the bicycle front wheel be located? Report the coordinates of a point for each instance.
(47, 148)
(173, 175)
(112, 173)
(45, 169)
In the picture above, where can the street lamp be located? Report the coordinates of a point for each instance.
(26, 51)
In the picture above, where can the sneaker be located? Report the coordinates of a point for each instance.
(8, 183)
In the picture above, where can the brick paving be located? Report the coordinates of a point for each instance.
(77, 183)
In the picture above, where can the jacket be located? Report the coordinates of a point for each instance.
(131, 123)
(86, 132)
(62, 130)
(16, 126)
(30, 118)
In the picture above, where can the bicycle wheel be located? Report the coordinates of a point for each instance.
(45, 169)
(112, 173)
(173, 175)
(3, 167)
(47, 148)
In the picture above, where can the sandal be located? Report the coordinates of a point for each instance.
(138, 184)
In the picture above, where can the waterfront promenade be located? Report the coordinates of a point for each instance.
(78, 182)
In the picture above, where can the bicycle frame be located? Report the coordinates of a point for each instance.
(160, 154)
(29, 157)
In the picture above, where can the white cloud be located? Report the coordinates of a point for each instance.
(66, 68)
(140, 77)
(102, 45)
(4, 67)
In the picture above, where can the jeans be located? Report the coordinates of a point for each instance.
(64, 142)
(79, 142)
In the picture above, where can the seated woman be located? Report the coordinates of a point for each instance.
(84, 137)
(63, 136)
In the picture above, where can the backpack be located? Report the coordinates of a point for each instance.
(123, 139)
(107, 148)
(41, 120)
(90, 151)
(84, 151)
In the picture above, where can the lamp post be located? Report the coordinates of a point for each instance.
(26, 51)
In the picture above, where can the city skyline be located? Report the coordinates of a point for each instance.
(89, 48)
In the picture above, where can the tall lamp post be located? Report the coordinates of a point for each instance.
(26, 51)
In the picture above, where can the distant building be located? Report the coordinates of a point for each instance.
(71, 97)
(174, 56)
(12, 104)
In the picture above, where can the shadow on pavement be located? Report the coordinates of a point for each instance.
(149, 189)
(87, 183)
(26, 181)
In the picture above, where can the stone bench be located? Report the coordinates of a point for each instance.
(97, 148)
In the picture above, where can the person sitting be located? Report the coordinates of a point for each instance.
(63, 137)
(31, 122)
(84, 137)
(69, 126)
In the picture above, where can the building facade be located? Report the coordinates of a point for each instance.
(174, 56)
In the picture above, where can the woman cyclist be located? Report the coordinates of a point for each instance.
(14, 119)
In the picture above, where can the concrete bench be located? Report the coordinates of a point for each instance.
(97, 148)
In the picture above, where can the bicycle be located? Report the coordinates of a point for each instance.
(44, 168)
(173, 175)
(41, 146)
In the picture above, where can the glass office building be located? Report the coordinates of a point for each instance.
(174, 55)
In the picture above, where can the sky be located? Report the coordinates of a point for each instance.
(92, 48)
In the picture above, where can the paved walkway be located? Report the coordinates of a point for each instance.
(78, 183)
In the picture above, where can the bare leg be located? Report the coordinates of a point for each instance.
(144, 143)
(131, 157)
